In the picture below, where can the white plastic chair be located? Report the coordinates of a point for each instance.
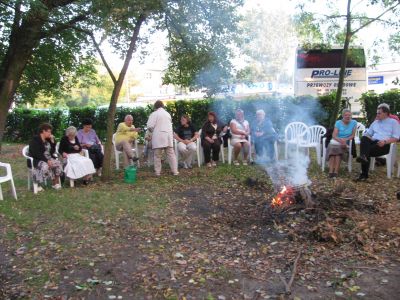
(359, 133)
(25, 153)
(295, 133)
(230, 151)
(7, 177)
(313, 140)
(177, 151)
(117, 153)
(275, 148)
(200, 153)
(390, 161)
(349, 161)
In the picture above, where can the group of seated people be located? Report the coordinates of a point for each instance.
(375, 141)
(160, 134)
(46, 165)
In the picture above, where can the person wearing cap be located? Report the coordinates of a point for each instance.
(377, 139)
(160, 125)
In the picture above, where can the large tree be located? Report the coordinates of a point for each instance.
(199, 35)
(38, 50)
(266, 43)
(340, 25)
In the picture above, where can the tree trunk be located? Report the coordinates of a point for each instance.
(23, 40)
(114, 99)
(342, 66)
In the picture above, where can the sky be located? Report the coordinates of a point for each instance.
(366, 37)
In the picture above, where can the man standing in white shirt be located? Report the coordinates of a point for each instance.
(160, 124)
(377, 139)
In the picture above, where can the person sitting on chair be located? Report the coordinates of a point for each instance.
(377, 139)
(124, 137)
(42, 149)
(240, 130)
(89, 140)
(186, 136)
(265, 137)
(211, 139)
(76, 165)
(342, 136)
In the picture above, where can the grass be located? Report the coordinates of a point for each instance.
(73, 226)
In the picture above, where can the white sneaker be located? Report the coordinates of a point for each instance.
(56, 186)
(213, 163)
(245, 163)
(236, 163)
(185, 166)
(40, 189)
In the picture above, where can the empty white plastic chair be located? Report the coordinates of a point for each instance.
(295, 133)
(390, 161)
(313, 140)
(117, 153)
(7, 177)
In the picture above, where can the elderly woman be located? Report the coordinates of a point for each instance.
(89, 140)
(240, 131)
(211, 139)
(77, 166)
(264, 137)
(186, 136)
(342, 135)
(160, 125)
(42, 149)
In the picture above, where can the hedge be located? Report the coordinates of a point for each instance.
(22, 123)
(371, 100)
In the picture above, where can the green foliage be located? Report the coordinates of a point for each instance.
(22, 123)
(61, 56)
(371, 100)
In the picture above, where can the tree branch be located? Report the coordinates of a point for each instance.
(375, 19)
(59, 27)
(98, 49)
(103, 59)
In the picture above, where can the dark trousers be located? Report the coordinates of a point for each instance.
(265, 148)
(96, 156)
(211, 147)
(370, 148)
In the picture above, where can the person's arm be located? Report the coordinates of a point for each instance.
(78, 144)
(35, 151)
(335, 134)
(394, 138)
(63, 148)
(369, 132)
(177, 137)
(235, 130)
(151, 122)
(248, 131)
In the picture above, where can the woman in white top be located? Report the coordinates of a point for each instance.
(77, 166)
(240, 131)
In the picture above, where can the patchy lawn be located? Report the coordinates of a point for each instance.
(202, 235)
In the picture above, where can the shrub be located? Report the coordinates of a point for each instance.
(22, 123)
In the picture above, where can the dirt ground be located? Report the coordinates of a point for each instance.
(213, 240)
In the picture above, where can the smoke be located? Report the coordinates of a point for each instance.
(281, 112)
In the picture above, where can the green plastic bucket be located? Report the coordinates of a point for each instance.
(130, 174)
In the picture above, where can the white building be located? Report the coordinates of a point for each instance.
(383, 77)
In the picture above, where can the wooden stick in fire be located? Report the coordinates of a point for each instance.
(288, 285)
